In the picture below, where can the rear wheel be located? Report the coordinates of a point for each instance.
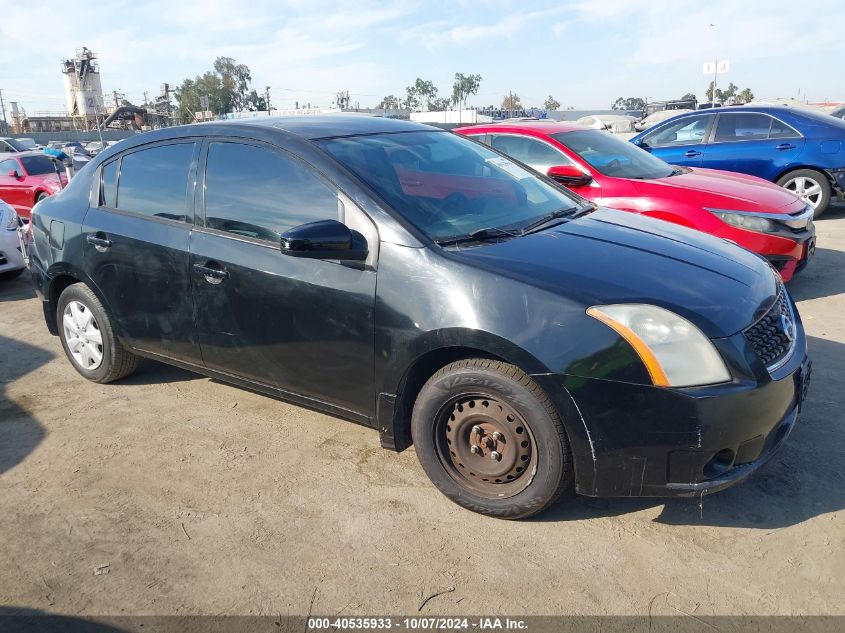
(88, 338)
(811, 186)
(41, 195)
(490, 439)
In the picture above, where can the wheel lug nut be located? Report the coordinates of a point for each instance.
(498, 436)
(474, 449)
(477, 430)
(495, 456)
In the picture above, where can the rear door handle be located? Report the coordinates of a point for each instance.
(100, 242)
(692, 153)
(784, 146)
(212, 275)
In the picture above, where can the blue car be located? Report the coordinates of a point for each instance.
(799, 149)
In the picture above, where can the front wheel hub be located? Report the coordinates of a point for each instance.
(485, 444)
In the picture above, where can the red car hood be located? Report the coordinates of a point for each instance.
(724, 190)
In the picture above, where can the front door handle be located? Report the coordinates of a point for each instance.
(212, 275)
(692, 153)
(784, 146)
(99, 241)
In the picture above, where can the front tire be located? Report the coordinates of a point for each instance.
(811, 186)
(88, 338)
(490, 439)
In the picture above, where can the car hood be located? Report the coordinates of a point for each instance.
(725, 190)
(610, 256)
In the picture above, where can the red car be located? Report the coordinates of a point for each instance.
(747, 210)
(27, 177)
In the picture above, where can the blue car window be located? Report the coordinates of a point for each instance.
(686, 131)
(782, 130)
(742, 126)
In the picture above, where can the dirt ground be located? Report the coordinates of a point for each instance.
(169, 493)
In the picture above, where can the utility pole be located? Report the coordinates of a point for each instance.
(267, 99)
(3, 108)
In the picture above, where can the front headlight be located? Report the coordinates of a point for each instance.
(745, 221)
(674, 351)
(9, 218)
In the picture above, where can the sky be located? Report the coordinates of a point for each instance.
(585, 53)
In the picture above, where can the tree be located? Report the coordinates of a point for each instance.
(511, 102)
(439, 104)
(420, 95)
(631, 103)
(390, 102)
(464, 86)
(745, 96)
(551, 103)
(227, 87)
(234, 79)
(341, 99)
(720, 96)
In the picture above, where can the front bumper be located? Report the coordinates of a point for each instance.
(643, 441)
(11, 255)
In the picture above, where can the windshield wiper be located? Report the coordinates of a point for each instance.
(542, 221)
(476, 236)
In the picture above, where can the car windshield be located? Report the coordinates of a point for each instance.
(16, 144)
(27, 143)
(448, 186)
(38, 165)
(614, 157)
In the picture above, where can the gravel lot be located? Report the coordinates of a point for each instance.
(204, 498)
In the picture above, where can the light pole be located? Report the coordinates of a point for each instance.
(715, 75)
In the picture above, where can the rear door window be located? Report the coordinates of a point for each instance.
(154, 182)
(259, 193)
(742, 126)
(530, 151)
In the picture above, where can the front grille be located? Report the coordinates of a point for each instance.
(769, 337)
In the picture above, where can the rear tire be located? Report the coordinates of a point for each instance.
(41, 195)
(811, 186)
(88, 338)
(490, 439)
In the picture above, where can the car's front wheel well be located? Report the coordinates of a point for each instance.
(412, 382)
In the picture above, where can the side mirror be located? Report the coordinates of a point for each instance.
(13, 173)
(569, 175)
(326, 239)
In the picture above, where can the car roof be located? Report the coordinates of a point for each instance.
(542, 126)
(325, 126)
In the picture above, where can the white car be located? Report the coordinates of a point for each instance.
(11, 243)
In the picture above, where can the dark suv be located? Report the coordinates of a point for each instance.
(418, 282)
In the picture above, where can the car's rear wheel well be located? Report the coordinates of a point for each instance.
(803, 168)
(415, 377)
(57, 287)
(38, 194)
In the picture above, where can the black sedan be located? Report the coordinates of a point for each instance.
(420, 283)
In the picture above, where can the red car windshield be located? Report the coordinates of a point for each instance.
(614, 157)
(448, 186)
(38, 165)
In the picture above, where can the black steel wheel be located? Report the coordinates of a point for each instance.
(491, 440)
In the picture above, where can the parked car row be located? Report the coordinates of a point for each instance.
(526, 340)
(799, 149)
(745, 210)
